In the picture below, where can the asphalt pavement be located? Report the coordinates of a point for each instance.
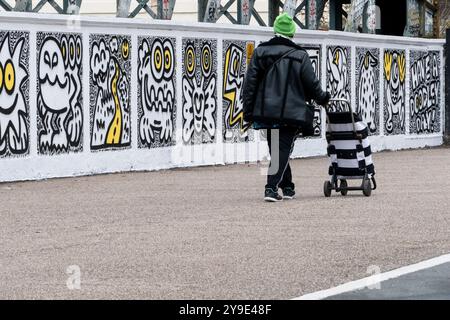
(205, 233)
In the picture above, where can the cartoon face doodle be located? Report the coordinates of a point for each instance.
(59, 93)
(199, 93)
(314, 53)
(338, 76)
(13, 103)
(394, 79)
(110, 92)
(368, 90)
(125, 49)
(157, 87)
(53, 77)
(234, 71)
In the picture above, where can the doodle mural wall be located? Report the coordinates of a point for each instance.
(117, 96)
(315, 54)
(339, 75)
(156, 92)
(237, 55)
(424, 96)
(199, 83)
(394, 92)
(367, 75)
(14, 93)
(59, 92)
(110, 79)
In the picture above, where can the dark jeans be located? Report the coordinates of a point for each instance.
(282, 177)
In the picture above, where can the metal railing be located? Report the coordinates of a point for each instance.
(68, 6)
(208, 10)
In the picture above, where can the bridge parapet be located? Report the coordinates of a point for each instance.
(85, 95)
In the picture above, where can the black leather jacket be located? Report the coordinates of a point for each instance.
(282, 95)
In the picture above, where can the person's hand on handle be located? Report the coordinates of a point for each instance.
(326, 100)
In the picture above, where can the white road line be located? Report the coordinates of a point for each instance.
(374, 279)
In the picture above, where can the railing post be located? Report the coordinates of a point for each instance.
(23, 5)
(123, 8)
(201, 4)
(211, 11)
(447, 89)
(165, 9)
(72, 6)
(335, 13)
(289, 7)
(244, 11)
(274, 11)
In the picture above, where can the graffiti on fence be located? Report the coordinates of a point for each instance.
(394, 92)
(199, 84)
(367, 74)
(59, 93)
(235, 59)
(14, 94)
(315, 54)
(339, 75)
(424, 96)
(110, 78)
(156, 92)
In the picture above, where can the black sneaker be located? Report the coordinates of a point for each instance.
(272, 196)
(288, 193)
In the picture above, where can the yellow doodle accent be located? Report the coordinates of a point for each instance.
(366, 61)
(1, 77)
(336, 58)
(158, 60)
(250, 50)
(190, 61)
(387, 65)
(63, 50)
(167, 60)
(115, 129)
(10, 77)
(72, 51)
(402, 67)
(206, 59)
(231, 95)
(125, 49)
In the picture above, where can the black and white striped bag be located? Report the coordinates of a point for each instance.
(349, 157)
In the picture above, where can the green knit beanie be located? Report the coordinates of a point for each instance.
(284, 25)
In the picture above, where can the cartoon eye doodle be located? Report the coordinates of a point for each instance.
(72, 51)
(1, 78)
(9, 77)
(47, 59)
(79, 48)
(125, 49)
(157, 60)
(65, 50)
(189, 60)
(206, 60)
(168, 60)
(54, 60)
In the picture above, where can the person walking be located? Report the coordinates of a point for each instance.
(279, 85)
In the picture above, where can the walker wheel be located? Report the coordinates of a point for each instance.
(343, 187)
(327, 187)
(367, 187)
